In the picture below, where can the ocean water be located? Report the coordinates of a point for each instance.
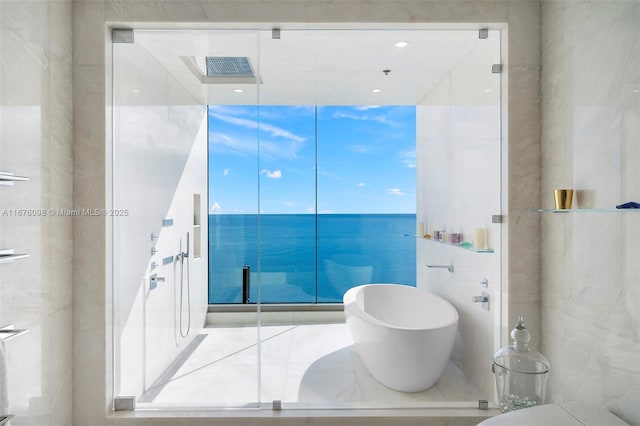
(290, 265)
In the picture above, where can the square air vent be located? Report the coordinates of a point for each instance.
(228, 66)
(221, 69)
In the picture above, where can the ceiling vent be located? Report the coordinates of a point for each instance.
(221, 69)
(228, 66)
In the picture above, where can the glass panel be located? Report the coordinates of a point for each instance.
(287, 204)
(233, 201)
(166, 351)
(313, 184)
(366, 197)
(459, 189)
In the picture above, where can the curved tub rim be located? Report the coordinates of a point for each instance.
(349, 299)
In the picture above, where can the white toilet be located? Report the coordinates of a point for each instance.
(560, 414)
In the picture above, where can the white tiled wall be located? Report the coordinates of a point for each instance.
(458, 167)
(160, 163)
(36, 141)
(590, 141)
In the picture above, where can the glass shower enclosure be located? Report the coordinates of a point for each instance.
(160, 247)
(262, 167)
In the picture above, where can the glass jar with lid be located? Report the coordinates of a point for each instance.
(521, 373)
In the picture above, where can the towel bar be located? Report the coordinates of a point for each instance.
(5, 418)
(9, 178)
(6, 258)
(8, 332)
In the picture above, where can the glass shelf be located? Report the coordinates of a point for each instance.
(6, 258)
(10, 333)
(586, 210)
(460, 246)
(10, 178)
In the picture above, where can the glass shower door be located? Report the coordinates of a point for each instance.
(287, 199)
(167, 85)
(440, 93)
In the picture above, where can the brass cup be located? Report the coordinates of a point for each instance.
(563, 198)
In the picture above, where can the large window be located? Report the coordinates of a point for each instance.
(314, 199)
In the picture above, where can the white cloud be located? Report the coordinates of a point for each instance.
(328, 174)
(359, 149)
(395, 191)
(288, 203)
(249, 145)
(215, 208)
(366, 117)
(241, 145)
(275, 150)
(278, 132)
(311, 209)
(361, 184)
(366, 107)
(253, 124)
(409, 158)
(276, 174)
(225, 172)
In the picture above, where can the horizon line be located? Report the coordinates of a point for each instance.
(310, 214)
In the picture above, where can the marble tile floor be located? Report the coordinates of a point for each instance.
(310, 365)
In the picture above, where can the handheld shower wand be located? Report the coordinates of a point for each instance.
(182, 256)
(186, 254)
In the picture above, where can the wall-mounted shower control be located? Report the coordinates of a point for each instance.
(153, 251)
(483, 299)
(484, 282)
(154, 279)
(154, 236)
(154, 265)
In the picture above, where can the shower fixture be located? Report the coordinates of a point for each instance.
(447, 267)
(154, 279)
(483, 299)
(181, 257)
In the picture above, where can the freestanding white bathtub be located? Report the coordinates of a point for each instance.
(403, 335)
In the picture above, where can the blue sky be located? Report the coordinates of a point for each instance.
(264, 159)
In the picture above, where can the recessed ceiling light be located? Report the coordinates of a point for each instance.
(376, 90)
(402, 44)
(135, 90)
(636, 90)
(487, 90)
(238, 90)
